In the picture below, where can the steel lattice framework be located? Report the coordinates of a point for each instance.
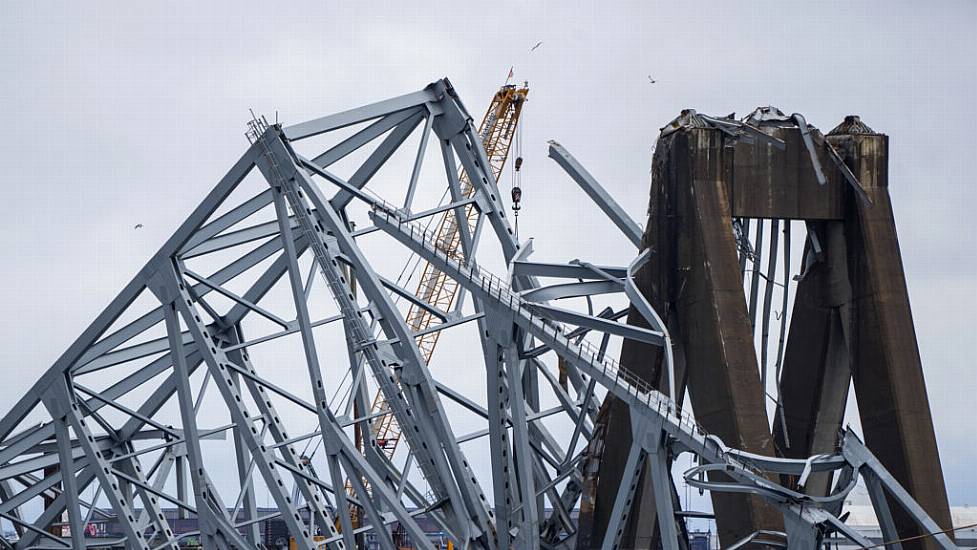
(116, 417)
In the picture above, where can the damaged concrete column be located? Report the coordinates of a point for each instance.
(886, 366)
(707, 290)
(850, 320)
(816, 373)
(646, 361)
(694, 278)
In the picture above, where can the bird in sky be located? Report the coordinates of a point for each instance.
(538, 44)
(652, 80)
(138, 226)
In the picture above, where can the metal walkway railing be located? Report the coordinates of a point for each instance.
(624, 384)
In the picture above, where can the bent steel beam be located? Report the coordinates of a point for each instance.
(122, 409)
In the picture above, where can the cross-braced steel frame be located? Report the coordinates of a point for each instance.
(114, 426)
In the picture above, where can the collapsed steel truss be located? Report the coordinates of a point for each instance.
(116, 416)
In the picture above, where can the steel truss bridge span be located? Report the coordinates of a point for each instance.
(116, 427)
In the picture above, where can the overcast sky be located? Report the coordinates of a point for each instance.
(125, 113)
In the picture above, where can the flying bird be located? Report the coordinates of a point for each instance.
(538, 44)
(652, 80)
(138, 226)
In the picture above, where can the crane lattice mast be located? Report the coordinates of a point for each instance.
(497, 130)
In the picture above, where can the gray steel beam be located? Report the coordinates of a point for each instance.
(770, 279)
(227, 220)
(216, 360)
(528, 512)
(314, 498)
(513, 316)
(572, 290)
(365, 113)
(624, 385)
(284, 173)
(418, 162)
(312, 362)
(500, 448)
(600, 324)
(376, 160)
(133, 289)
(625, 496)
(104, 473)
(361, 138)
(857, 453)
(69, 482)
(245, 461)
(150, 319)
(596, 192)
(181, 376)
(563, 271)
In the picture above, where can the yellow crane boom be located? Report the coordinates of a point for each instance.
(497, 130)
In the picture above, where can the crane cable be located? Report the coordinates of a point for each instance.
(923, 536)
(517, 176)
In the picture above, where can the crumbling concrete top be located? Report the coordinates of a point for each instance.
(852, 125)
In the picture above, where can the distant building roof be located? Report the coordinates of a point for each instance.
(863, 515)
